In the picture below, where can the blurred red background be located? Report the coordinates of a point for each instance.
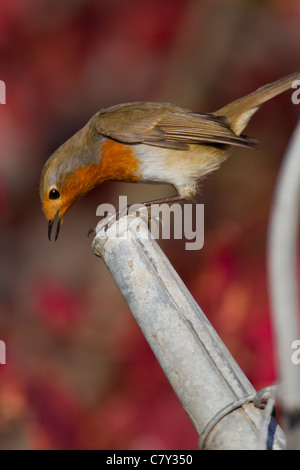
(79, 374)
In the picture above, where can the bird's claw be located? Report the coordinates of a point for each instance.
(111, 218)
(90, 232)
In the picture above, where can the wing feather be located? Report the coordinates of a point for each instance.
(166, 125)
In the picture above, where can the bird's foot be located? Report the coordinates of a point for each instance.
(141, 211)
(107, 222)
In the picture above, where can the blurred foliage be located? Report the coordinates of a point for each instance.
(79, 374)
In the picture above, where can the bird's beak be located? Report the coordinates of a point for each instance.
(56, 220)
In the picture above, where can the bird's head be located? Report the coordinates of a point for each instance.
(57, 191)
(66, 177)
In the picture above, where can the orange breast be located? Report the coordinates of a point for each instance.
(118, 162)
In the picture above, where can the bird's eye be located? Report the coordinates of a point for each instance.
(54, 193)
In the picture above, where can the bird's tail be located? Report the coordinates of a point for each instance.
(240, 111)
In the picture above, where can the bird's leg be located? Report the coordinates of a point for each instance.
(166, 200)
(157, 202)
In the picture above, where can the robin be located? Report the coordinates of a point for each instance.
(148, 142)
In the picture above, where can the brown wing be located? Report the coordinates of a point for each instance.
(166, 125)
